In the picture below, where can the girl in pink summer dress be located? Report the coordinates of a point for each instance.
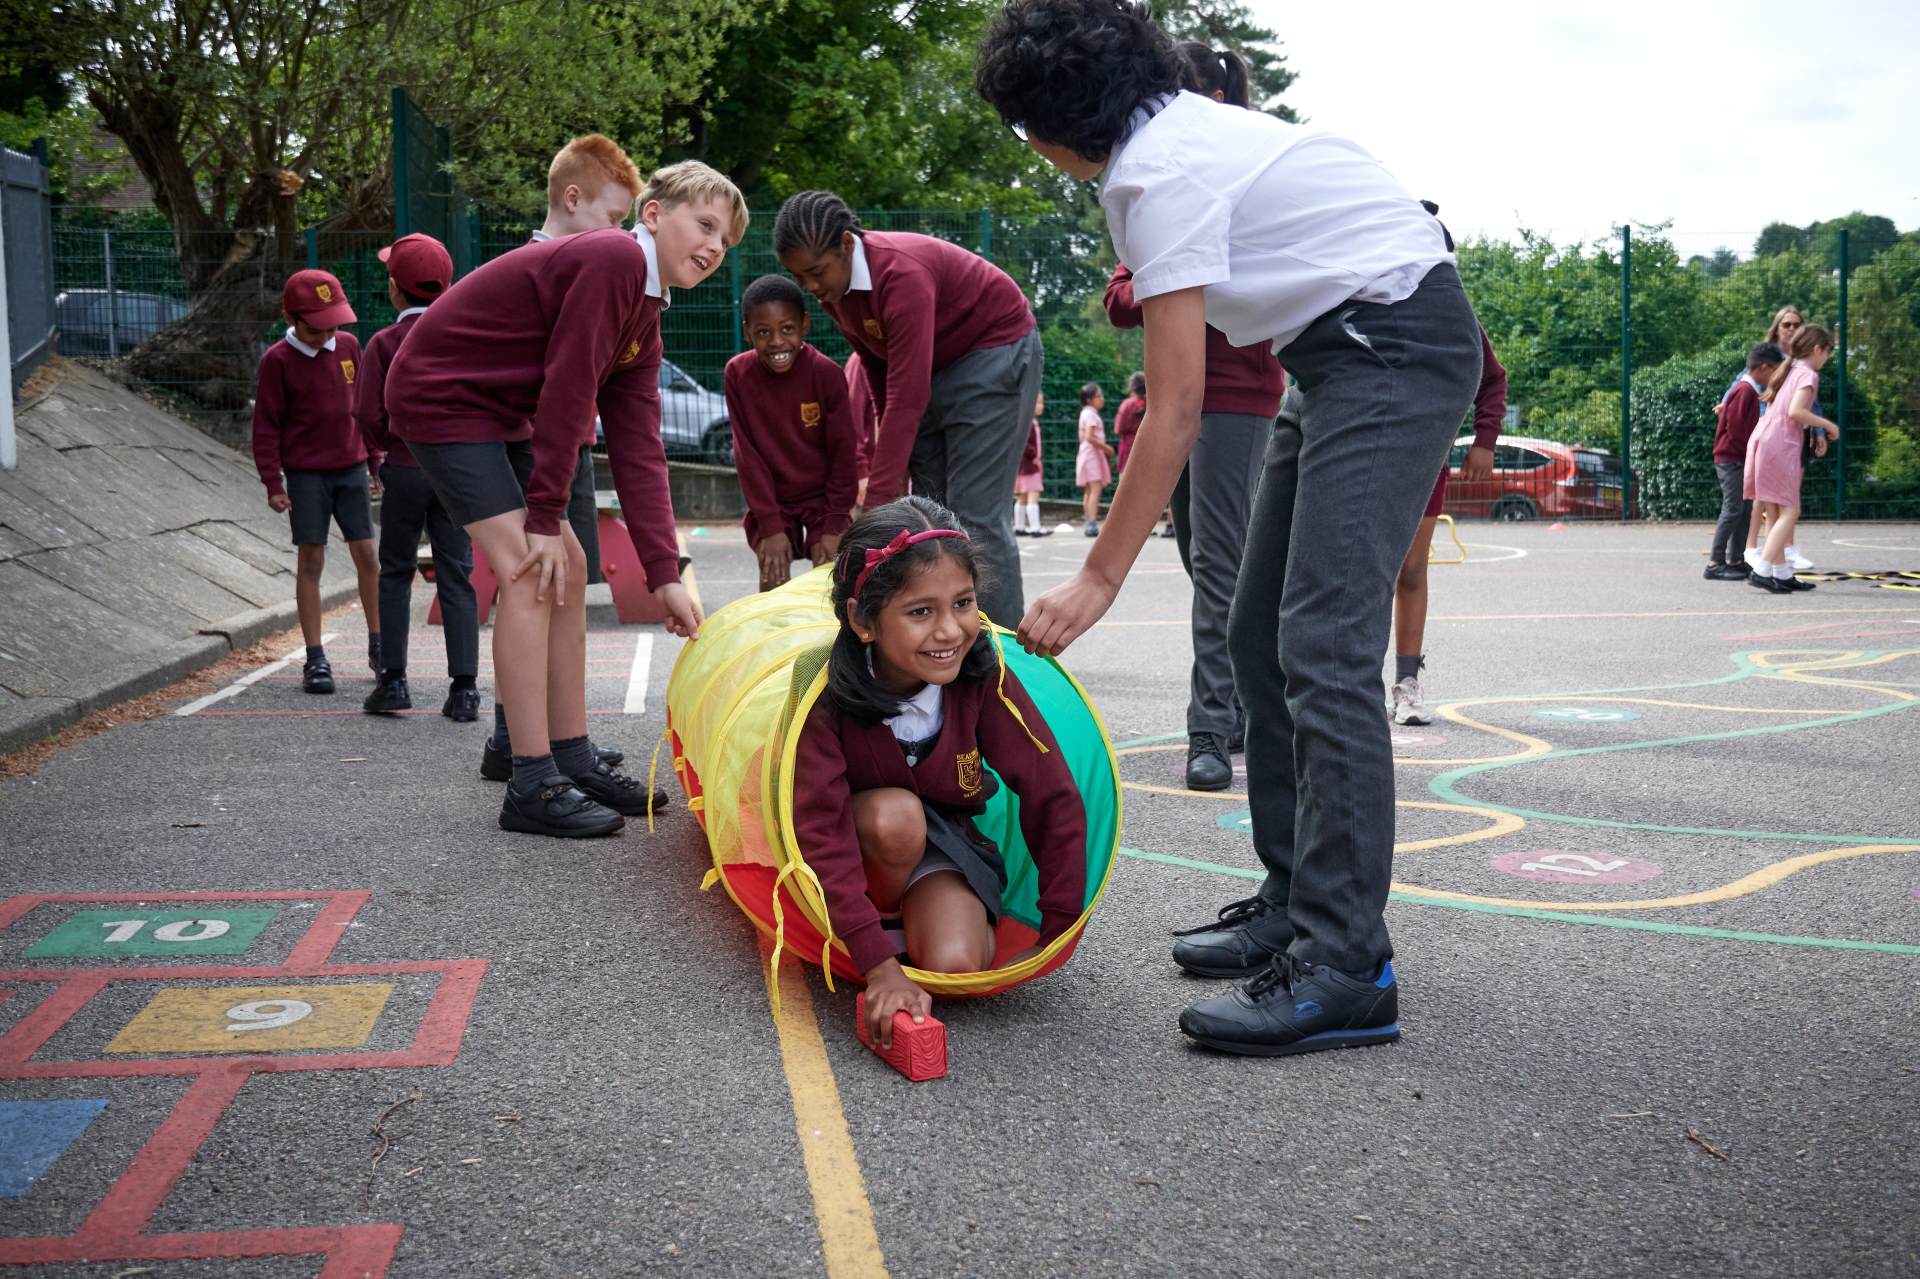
(1773, 468)
(1092, 470)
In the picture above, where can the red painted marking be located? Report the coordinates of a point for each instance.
(112, 1232)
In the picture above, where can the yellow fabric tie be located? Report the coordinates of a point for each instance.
(797, 867)
(1001, 687)
(653, 770)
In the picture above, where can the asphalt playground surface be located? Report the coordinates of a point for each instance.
(1657, 919)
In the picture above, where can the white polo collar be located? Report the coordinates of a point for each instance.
(311, 351)
(540, 237)
(412, 310)
(656, 287)
(861, 279)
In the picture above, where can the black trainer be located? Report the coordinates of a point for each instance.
(1297, 1007)
(496, 765)
(1208, 767)
(1769, 583)
(389, 697)
(1242, 941)
(1795, 584)
(316, 677)
(557, 808)
(463, 707)
(614, 789)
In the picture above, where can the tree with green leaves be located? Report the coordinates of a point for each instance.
(1227, 24)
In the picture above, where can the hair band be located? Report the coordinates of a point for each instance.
(901, 541)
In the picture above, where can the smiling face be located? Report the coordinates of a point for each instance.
(690, 238)
(777, 333)
(824, 274)
(923, 633)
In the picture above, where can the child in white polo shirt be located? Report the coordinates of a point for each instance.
(1271, 233)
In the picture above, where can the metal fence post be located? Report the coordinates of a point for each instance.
(313, 247)
(1840, 388)
(1626, 371)
(402, 194)
(733, 285)
(986, 233)
(113, 297)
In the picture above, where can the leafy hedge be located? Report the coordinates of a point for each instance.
(1672, 414)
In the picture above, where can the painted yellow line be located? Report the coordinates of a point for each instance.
(1765, 877)
(848, 1242)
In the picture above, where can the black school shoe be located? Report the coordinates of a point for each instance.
(1243, 940)
(1296, 1007)
(389, 697)
(557, 808)
(316, 677)
(1769, 583)
(615, 790)
(463, 707)
(1795, 584)
(496, 765)
(1724, 572)
(1208, 767)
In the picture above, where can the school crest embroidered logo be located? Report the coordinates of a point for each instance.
(346, 371)
(810, 414)
(969, 769)
(875, 332)
(324, 292)
(633, 350)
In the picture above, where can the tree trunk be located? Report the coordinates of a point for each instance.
(211, 354)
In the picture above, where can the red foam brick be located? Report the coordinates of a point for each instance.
(919, 1048)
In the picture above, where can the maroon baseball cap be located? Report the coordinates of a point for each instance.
(317, 298)
(419, 264)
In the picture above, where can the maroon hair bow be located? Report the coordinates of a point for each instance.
(901, 541)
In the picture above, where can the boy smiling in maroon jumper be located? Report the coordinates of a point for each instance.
(516, 358)
(303, 426)
(794, 442)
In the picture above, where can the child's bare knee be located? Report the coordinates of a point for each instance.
(951, 955)
(892, 829)
(311, 562)
(1413, 573)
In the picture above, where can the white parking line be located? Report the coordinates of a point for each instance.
(247, 680)
(637, 677)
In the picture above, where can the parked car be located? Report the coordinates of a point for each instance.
(95, 321)
(1536, 479)
(693, 420)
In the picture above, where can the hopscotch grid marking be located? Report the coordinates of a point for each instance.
(247, 681)
(636, 703)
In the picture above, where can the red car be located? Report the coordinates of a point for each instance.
(1536, 479)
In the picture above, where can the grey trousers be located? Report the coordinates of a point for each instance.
(968, 452)
(408, 506)
(1381, 392)
(583, 513)
(1222, 475)
(1730, 534)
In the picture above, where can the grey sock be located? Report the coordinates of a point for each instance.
(574, 757)
(530, 772)
(501, 741)
(1407, 667)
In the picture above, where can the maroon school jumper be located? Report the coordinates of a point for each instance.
(866, 420)
(1738, 416)
(838, 757)
(931, 303)
(1126, 425)
(1489, 409)
(526, 347)
(370, 392)
(303, 412)
(794, 446)
(1240, 379)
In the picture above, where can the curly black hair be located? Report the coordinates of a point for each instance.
(775, 290)
(1072, 72)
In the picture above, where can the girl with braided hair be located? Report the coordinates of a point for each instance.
(952, 354)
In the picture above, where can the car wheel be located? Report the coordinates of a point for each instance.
(1511, 510)
(716, 446)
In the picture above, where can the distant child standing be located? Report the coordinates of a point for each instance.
(1738, 415)
(1773, 471)
(312, 459)
(1031, 480)
(794, 438)
(1091, 469)
(1127, 418)
(419, 270)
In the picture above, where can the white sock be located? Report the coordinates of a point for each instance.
(1019, 520)
(1781, 572)
(1030, 517)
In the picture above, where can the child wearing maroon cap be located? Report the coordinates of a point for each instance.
(794, 443)
(311, 457)
(419, 269)
(514, 360)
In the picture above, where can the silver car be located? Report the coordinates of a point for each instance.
(693, 420)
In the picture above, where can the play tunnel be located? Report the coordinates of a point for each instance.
(735, 704)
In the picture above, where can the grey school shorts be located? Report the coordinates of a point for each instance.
(322, 498)
(477, 480)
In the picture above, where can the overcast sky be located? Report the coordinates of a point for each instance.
(1571, 119)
